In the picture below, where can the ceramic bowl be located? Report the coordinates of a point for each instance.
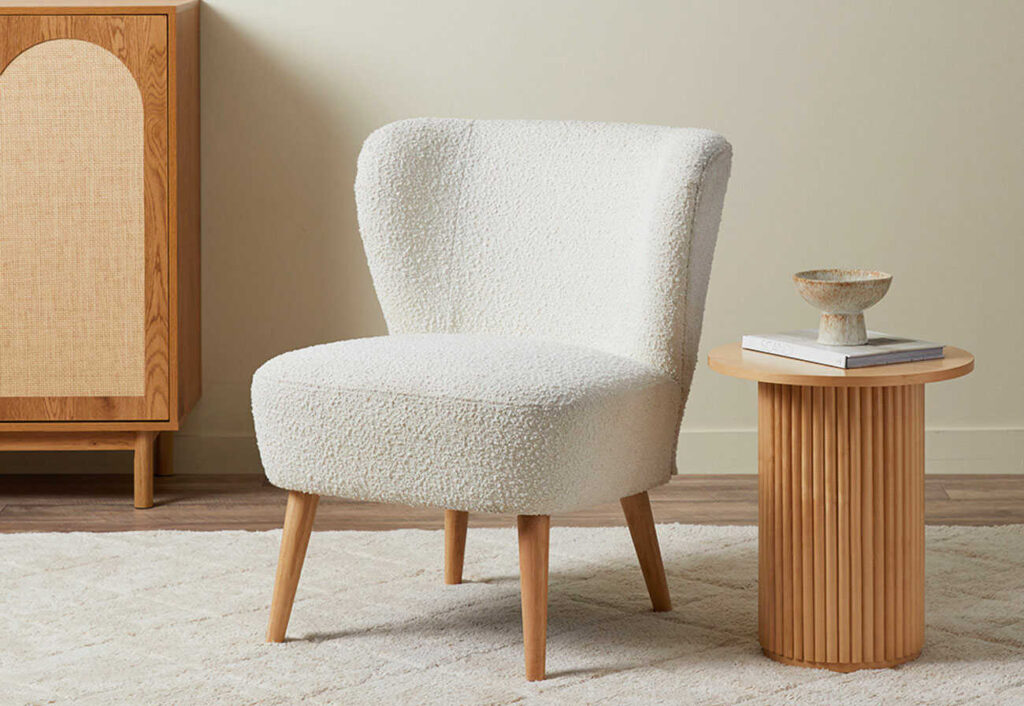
(842, 295)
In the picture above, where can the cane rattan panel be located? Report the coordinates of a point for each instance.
(99, 228)
(72, 274)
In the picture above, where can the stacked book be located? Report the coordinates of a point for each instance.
(881, 349)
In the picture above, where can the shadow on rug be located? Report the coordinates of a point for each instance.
(179, 617)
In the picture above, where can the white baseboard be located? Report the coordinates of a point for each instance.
(979, 451)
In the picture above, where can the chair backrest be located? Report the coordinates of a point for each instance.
(592, 234)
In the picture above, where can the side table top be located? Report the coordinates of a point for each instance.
(731, 359)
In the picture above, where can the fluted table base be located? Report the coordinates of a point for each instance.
(841, 513)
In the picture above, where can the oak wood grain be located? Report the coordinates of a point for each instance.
(534, 532)
(854, 623)
(140, 42)
(164, 454)
(54, 441)
(158, 42)
(456, 523)
(143, 469)
(639, 518)
(85, 502)
(298, 525)
(183, 126)
(89, 426)
(731, 359)
(98, 7)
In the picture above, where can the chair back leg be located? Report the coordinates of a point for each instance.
(533, 575)
(637, 509)
(455, 524)
(298, 523)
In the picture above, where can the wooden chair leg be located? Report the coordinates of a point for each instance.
(144, 469)
(164, 454)
(533, 575)
(298, 523)
(455, 524)
(637, 509)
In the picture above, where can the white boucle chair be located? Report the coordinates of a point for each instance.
(543, 285)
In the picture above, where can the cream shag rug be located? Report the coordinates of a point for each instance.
(179, 617)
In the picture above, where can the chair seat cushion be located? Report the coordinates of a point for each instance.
(466, 422)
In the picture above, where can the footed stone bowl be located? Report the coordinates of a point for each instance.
(842, 295)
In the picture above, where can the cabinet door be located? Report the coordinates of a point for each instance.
(84, 325)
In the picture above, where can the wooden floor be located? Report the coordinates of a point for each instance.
(103, 503)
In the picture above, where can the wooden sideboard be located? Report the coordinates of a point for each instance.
(99, 227)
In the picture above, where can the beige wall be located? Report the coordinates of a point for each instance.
(874, 134)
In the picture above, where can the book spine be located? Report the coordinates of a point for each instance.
(893, 358)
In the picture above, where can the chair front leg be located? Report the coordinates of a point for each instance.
(298, 523)
(637, 509)
(534, 531)
(455, 524)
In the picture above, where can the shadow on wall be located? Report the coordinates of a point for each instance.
(282, 263)
(283, 266)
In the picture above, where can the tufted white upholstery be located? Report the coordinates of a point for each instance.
(543, 285)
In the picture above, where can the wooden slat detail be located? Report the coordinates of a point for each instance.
(764, 482)
(921, 470)
(831, 531)
(901, 512)
(867, 522)
(856, 531)
(818, 492)
(841, 546)
(777, 537)
(843, 518)
(797, 522)
(888, 410)
(784, 422)
(807, 495)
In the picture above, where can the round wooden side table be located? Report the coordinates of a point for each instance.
(840, 506)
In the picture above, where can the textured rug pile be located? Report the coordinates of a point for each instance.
(179, 617)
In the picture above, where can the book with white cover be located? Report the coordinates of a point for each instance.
(881, 349)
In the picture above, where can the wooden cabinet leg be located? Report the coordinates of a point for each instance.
(298, 523)
(534, 531)
(144, 469)
(637, 509)
(455, 524)
(164, 454)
